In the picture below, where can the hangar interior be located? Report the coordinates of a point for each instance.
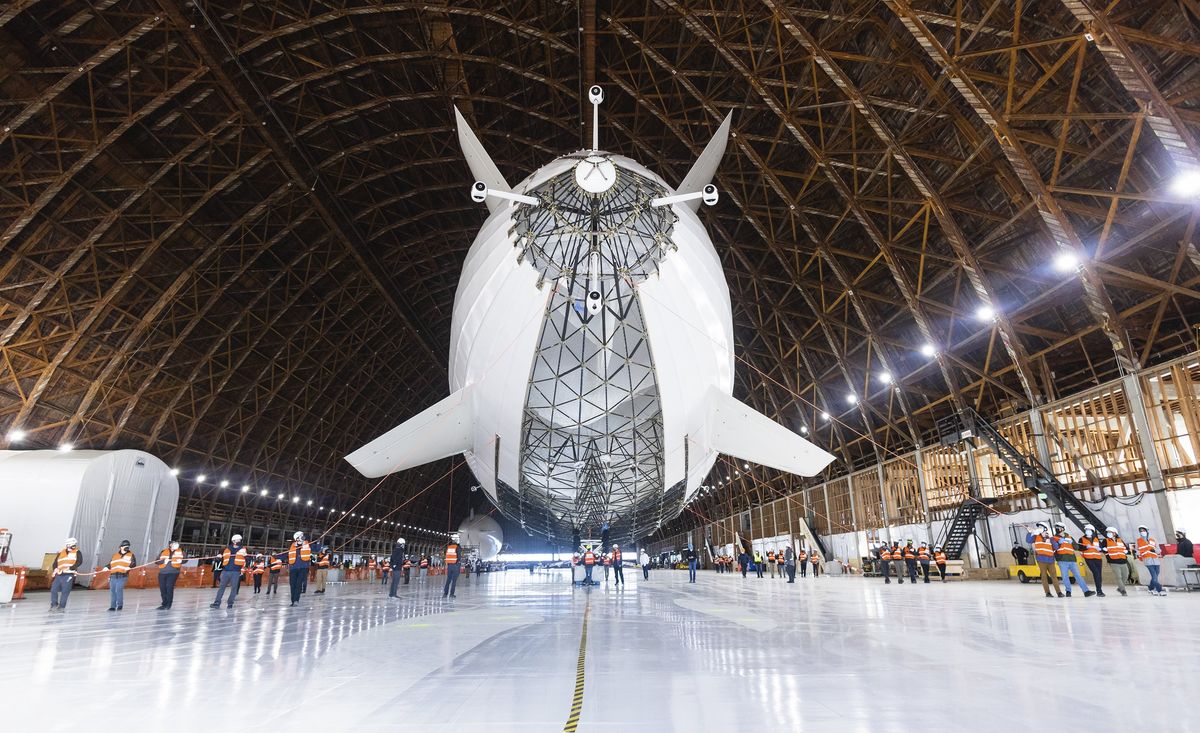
(959, 240)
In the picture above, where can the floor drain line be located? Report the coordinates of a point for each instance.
(577, 698)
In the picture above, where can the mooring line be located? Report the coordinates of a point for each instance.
(577, 698)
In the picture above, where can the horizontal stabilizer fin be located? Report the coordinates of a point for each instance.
(482, 167)
(705, 166)
(441, 431)
(738, 430)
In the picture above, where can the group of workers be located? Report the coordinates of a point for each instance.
(233, 563)
(786, 561)
(909, 558)
(1056, 553)
(589, 558)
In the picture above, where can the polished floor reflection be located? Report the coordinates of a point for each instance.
(725, 654)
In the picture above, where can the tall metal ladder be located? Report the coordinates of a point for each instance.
(959, 530)
(1034, 476)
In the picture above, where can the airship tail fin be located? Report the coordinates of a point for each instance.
(482, 167)
(706, 165)
(440, 431)
(738, 430)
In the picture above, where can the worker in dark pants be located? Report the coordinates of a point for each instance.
(66, 564)
(233, 559)
(589, 562)
(257, 569)
(170, 561)
(789, 563)
(744, 562)
(802, 562)
(644, 561)
(910, 561)
(814, 558)
(298, 555)
(398, 561)
(453, 565)
(275, 567)
(939, 559)
(924, 557)
(692, 559)
(885, 562)
(1093, 556)
(618, 566)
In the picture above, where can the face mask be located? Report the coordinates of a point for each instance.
(1111, 535)
(1144, 533)
(1090, 533)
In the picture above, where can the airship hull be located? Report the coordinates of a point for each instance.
(574, 413)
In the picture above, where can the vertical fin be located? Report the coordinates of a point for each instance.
(482, 167)
(706, 165)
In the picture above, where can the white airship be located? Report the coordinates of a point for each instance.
(482, 534)
(591, 357)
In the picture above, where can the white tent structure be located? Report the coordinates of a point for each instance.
(97, 497)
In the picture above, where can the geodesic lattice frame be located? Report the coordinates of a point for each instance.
(592, 436)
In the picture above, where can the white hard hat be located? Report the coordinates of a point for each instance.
(236, 538)
(1042, 525)
(1142, 526)
(1059, 524)
(1088, 526)
(937, 548)
(1180, 530)
(72, 542)
(174, 545)
(298, 536)
(400, 541)
(1110, 529)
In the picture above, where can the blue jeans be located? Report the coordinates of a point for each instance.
(231, 580)
(452, 579)
(1153, 586)
(60, 589)
(1072, 568)
(587, 573)
(691, 571)
(116, 589)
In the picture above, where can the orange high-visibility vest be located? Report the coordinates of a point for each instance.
(276, 565)
(939, 558)
(239, 557)
(1147, 549)
(616, 556)
(175, 557)
(1066, 549)
(258, 568)
(305, 553)
(120, 564)
(1042, 548)
(1091, 548)
(908, 553)
(64, 561)
(923, 554)
(607, 560)
(424, 562)
(323, 561)
(802, 556)
(452, 554)
(407, 564)
(779, 559)
(1115, 548)
(371, 563)
(884, 555)
(589, 558)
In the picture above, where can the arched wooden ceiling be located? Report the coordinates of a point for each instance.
(231, 231)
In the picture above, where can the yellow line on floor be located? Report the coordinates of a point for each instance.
(577, 699)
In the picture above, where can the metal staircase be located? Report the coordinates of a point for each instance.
(1036, 477)
(959, 530)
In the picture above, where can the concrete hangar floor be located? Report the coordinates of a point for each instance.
(726, 654)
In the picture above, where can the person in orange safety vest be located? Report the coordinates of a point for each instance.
(589, 560)
(1093, 556)
(118, 573)
(258, 568)
(1043, 553)
(233, 560)
(454, 559)
(939, 559)
(1117, 553)
(1150, 555)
